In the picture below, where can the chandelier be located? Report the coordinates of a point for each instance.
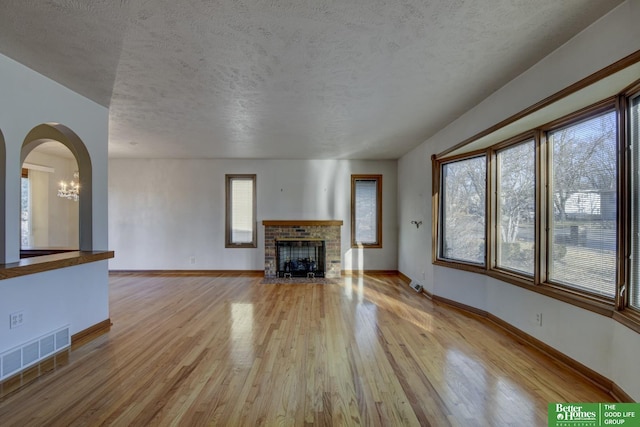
(70, 191)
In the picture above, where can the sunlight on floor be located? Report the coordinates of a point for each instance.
(354, 285)
(242, 334)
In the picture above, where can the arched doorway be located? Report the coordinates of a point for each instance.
(48, 132)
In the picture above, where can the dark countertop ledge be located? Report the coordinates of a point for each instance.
(39, 264)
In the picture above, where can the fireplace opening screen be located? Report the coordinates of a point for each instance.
(300, 258)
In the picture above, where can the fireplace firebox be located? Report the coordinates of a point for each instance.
(328, 231)
(300, 258)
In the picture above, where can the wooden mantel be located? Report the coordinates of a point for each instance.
(303, 223)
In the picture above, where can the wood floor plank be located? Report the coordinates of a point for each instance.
(231, 351)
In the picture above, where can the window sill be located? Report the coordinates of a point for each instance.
(512, 278)
(601, 306)
(592, 303)
(597, 305)
(39, 264)
(629, 318)
(241, 246)
(474, 268)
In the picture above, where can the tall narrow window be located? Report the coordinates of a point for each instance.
(634, 134)
(463, 209)
(582, 200)
(366, 211)
(25, 210)
(241, 211)
(516, 180)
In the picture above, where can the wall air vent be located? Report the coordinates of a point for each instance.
(31, 352)
(416, 286)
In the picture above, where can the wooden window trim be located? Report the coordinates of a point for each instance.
(493, 151)
(579, 298)
(378, 179)
(584, 114)
(227, 229)
(605, 106)
(602, 74)
(628, 317)
(437, 165)
(628, 314)
(617, 308)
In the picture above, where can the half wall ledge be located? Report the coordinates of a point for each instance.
(43, 263)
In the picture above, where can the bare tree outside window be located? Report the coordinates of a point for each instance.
(463, 210)
(583, 198)
(516, 207)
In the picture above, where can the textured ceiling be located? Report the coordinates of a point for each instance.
(359, 79)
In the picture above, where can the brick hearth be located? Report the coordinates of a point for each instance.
(329, 231)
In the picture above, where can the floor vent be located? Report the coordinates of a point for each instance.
(34, 351)
(415, 286)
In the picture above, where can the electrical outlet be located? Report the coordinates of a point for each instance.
(192, 260)
(16, 319)
(539, 319)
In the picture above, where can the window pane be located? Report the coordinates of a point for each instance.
(583, 199)
(25, 226)
(634, 133)
(240, 230)
(463, 210)
(241, 210)
(516, 207)
(366, 211)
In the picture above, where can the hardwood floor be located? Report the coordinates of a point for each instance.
(231, 351)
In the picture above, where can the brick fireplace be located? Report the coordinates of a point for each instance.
(303, 230)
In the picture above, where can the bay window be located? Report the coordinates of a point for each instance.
(554, 208)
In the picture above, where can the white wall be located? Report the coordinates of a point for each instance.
(60, 216)
(38, 217)
(596, 341)
(75, 295)
(28, 99)
(163, 212)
